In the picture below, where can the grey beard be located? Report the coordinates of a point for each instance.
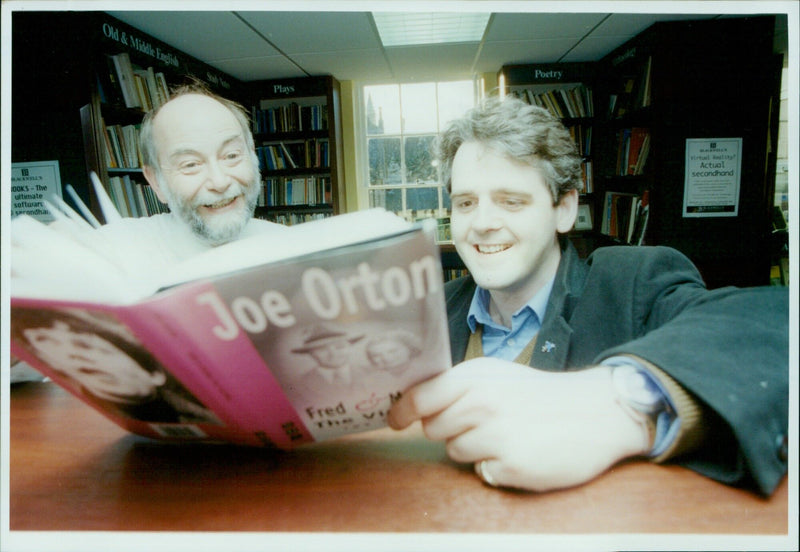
(214, 235)
(219, 234)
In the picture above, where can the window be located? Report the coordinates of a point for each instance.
(402, 122)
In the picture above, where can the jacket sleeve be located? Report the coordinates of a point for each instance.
(729, 349)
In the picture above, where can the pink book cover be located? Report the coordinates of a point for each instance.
(275, 355)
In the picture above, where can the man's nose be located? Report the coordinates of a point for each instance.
(487, 217)
(217, 179)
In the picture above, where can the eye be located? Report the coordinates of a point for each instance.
(232, 157)
(191, 166)
(513, 203)
(464, 204)
(81, 343)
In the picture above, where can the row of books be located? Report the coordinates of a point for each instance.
(625, 216)
(634, 92)
(122, 146)
(300, 190)
(291, 117)
(587, 173)
(311, 153)
(125, 84)
(574, 102)
(582, 136)
(454, 273)
(633, 147)
(290, 219)
(132, 198)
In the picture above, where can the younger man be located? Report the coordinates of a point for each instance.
(569, 366)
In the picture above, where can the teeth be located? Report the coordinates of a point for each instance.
(221, 203)
(491, 248)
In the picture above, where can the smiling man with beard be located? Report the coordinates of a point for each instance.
(198, 156)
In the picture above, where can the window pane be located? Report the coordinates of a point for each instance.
(384, 161)
(418, 161)
(422, 199)
(446, 205)
(391, 199)
(383, 109)
(419, 107)
(402, 123)
(455, 98)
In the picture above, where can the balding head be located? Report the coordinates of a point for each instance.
(199, 159)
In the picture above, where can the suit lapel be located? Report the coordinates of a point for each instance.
(553, 343)
(457, 309)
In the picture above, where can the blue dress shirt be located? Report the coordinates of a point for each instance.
(507, 343)
(500, 341)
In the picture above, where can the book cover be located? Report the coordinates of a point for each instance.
(124, 69)
(617, 216)
(635, 148)
(108, 82)
(255, 342)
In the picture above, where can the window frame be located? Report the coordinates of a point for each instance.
(362, 149)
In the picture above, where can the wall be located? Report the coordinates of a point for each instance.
(49, 86)
(782, 165)
(349, 118)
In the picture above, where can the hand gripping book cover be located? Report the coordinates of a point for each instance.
(305, 343)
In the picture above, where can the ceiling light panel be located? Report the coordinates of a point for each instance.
(406, 29)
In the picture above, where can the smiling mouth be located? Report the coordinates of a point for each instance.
(490, 249)
(221, 203)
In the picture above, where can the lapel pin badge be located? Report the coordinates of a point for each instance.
(548, 346)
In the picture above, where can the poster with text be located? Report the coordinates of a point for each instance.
(713, 177)
(31, 184)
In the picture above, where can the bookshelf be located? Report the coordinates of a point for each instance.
(130, 73)
(660, 102)
(667, 100)
(298, 134)
(567, 90)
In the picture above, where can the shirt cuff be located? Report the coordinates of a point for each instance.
(679, 428)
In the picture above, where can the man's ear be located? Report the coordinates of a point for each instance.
(567, 211)
(150, 176)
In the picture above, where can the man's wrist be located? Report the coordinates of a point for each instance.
(639, 393)
(627, 383)
(625, 428)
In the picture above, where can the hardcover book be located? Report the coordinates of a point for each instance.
(260, 341)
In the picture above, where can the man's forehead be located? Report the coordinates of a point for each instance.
(193, 110)
(189, 101)
(195, 122)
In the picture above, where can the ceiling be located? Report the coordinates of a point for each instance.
(254, 45)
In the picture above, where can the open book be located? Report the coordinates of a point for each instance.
(253, 342)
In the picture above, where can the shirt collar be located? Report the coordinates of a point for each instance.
(479, 308)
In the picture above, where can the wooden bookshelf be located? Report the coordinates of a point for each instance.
(658, 95)
(298, 134)
(567, 90)
(129, 74)
(670, 88)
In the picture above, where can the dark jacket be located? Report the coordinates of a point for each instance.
(728, 347)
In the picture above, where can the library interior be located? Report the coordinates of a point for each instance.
(681, 123)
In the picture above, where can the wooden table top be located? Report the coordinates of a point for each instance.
(73, 470)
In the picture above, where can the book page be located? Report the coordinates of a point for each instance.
(71, 261)
(62, 260)
(301, 239)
